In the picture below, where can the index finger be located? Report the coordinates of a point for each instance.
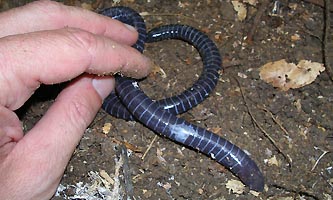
(49, 15)
(56, 56)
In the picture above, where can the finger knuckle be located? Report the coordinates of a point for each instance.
(47, 6)
(79, 112)
(82, 39)
(84, 42)
(51, 11)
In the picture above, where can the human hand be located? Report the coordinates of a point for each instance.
(45, 43)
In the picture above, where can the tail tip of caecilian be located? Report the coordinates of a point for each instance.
(252, 177)
(257, 183)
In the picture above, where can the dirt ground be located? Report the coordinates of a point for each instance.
(288, 133)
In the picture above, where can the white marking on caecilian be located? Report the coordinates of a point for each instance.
(181, 132)
(235, 158)
(171, 106)
(167, 107)
(135, 84)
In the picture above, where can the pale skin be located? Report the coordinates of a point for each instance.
(46, 43)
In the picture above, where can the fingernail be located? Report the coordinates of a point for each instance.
(103, 85)
(131, 28)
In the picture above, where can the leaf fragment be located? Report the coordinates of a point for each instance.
(240, 8)
(235, 186)
(285, 76)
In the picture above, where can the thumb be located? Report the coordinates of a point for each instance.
(47, 148)
(63, 125)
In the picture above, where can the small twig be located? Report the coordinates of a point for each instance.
(98, 4)
(326, 179)
(320, 3)
(289, 160)
(310, 33)
(127, 174)
(97, 120)
(275, 120)
(149, 147)
(232, 63)
(293, 189)
(282, 128)
(257, 20)
(116, 191)
(320, 157)
(329, 70)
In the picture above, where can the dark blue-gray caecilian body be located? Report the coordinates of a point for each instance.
(130, 103)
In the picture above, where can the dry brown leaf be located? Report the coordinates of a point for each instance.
(272, 161)
(251, 2)
(240, 9)
(285, 75)
(295, 37)
(167, 186)
(235, 186)
(159, 154)
(106, 179)
(106, 128)
(132, 147)
(156, 69)
(127, 145)
(216, 130)
(200, 191)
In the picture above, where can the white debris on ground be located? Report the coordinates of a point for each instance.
(235, 186)
(98, 188)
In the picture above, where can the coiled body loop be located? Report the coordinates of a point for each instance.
(130, 103)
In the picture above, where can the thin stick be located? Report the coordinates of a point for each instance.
(275, 120)
(93, 123)
(328, 66)
(127, 174)
(327, 179)
(320, 157)
(289, 160)
(257, 19)
(149, 147)
(297, 190)
(320, 3)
